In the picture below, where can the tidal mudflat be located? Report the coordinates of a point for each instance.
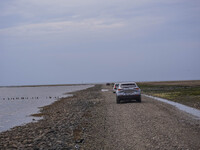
(18, 103)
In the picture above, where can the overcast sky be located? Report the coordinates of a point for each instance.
(76, 41)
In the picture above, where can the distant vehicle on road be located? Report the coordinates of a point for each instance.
(115, 87)
(128, 91)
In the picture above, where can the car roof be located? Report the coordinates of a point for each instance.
(127, 83)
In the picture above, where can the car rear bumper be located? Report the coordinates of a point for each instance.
(128, 97)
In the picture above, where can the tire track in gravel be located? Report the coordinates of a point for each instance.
(148, 125)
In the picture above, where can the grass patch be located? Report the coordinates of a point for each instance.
(185, 94)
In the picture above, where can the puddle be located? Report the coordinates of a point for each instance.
(190, 110)
(104, 90)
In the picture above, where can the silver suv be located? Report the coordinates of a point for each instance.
(128, 91)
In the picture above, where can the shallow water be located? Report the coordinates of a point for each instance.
(190, 110)
(18, 103)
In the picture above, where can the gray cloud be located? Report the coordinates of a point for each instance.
(73, 41)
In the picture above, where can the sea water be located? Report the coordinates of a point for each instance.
(18, 103)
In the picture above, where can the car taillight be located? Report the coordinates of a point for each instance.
(137, 89)
(119, 89)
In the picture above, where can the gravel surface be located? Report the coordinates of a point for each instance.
(92, 120)
(148, 125)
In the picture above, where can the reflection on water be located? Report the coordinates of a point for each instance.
(18, 103)
(190, 110)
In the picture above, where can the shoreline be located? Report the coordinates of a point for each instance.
(66, 124)
(16, 104)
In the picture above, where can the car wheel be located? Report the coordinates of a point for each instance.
(139, 99)
(117, 100)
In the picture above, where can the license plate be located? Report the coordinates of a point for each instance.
(129, 91)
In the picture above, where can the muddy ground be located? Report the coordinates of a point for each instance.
(92, 120)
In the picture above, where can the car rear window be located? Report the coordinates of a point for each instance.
(128, 85)
(116, 86)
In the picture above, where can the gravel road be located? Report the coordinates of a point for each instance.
(91, 120)
(148, 125)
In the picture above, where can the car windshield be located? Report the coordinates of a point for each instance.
(132, 85)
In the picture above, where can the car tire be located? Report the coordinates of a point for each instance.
(139, 99)
(117, 100)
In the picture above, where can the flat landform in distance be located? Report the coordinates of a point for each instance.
(184, 92)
